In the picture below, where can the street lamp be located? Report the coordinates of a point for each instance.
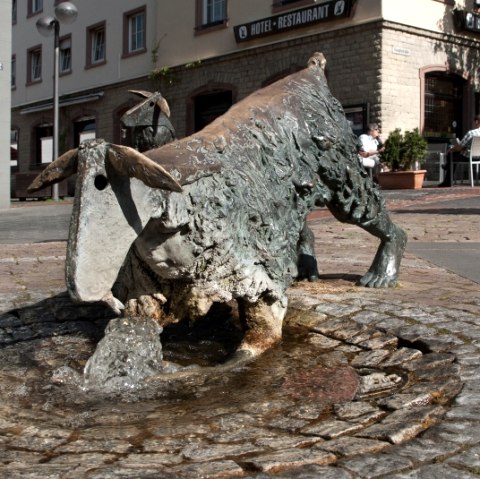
(65, 12)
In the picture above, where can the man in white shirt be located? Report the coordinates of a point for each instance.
(462, 147)
(370, 147)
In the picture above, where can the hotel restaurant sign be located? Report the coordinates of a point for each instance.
(330, 10)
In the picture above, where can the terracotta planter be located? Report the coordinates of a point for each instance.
(401, 180)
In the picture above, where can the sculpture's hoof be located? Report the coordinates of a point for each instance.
(372, 280)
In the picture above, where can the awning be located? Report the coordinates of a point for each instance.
(66, 101)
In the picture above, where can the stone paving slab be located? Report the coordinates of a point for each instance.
(433, 311)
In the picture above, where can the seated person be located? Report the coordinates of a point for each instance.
(370, 147)
(460, 151)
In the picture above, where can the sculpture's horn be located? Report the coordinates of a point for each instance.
(63, 167)
(142, 93)
(317, 60)
(129, 162)
(163, 105)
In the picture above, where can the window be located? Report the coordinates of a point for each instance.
(14, 12)
(96, 53)
(65, 66)
(134, 32)
(35, 7)
(279, 5)
(34, 64)
(211, 13)
(13, 79)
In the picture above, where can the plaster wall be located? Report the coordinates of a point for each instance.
(5, 72)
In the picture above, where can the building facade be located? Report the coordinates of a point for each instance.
(401, 64)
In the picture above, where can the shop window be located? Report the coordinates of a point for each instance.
(209, 106)
(43, 144)
(211, 14)
(443, 103)
(134, 32)
(65, 66)
(96, 45)
(34, 64)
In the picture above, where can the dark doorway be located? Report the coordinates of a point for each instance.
(443, 106)
(209, 106)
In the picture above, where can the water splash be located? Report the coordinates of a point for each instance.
(128, 354)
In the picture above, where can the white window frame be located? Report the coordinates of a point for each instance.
(136, 33)
(65, 55)
(213, 11)
(35, 65)
(37, 6)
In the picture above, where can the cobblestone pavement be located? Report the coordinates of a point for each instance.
(411, 354)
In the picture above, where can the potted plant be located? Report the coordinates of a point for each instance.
(403, 154)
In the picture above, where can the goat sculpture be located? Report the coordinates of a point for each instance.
(219, 215)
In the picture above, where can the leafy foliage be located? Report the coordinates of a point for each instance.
(404, 151)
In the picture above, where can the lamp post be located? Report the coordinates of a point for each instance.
(65, 12)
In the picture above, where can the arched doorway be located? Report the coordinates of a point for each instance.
(444, 99)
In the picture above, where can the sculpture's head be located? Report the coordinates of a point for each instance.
(117, 191)
(146, 125)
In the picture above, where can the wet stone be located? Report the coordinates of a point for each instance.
(287, 424)
(403, 425)
(211, 470)
(352, 446)
(309, 411)
(289, 458)
(404, 401)
(202, 453)
(337, 310)
(442, 373)
(423, 450)
(377, 383)
(369, 317)
(286, 442)
(332, 429)
(354, 409)
(150, 460)
(469, 459)
(430, 361)
(441, 471)
(401, 356)
(321, 341)
(367, 359)
(369, 466)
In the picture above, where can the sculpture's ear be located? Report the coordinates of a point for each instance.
(163, 105)
(173, 214)
(63, 167)
(129, 162)
(142, 93)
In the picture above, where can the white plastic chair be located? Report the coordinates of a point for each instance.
(474, 159)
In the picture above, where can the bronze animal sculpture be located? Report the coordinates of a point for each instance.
(218, 216)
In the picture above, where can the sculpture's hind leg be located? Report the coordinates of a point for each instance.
(356, 200)
(385, 267)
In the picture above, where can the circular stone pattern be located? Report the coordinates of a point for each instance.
(353, 376)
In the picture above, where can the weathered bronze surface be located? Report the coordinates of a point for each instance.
(220, 215)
